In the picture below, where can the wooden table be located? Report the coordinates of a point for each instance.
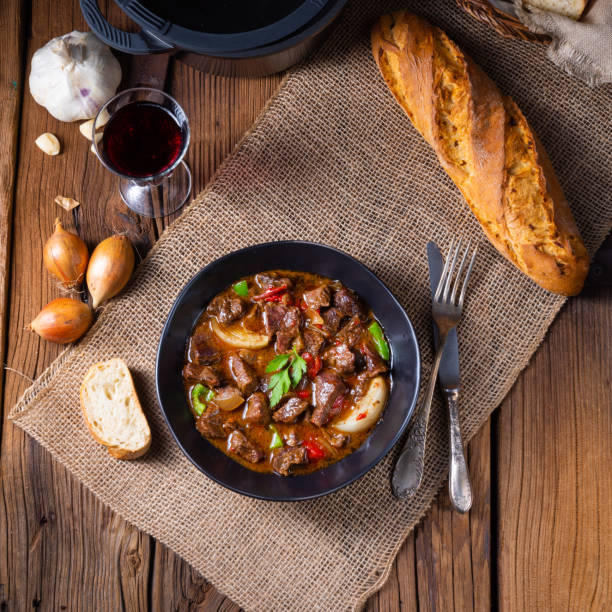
(539, 535)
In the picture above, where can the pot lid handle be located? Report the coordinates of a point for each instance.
(139, 43)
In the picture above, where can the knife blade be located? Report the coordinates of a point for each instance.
(448, 374)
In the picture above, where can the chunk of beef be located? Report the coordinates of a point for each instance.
(362, 384)
(282, 320)
(313, 341)
(375, 364)
(317, 298)
(328, 388)
(238, 443)
(338, 440)
(201, 351)
(252, 320)
(348, 303)
(256, 410)
(226, 308)
(229, 426)
(243, 374)
(201, 373)
(278, 317)
(266, 281)
(286, 458)
(351, 333)
(331, 319)
(273, 315)
(290, 410)
(254, 358)
(283, 341)
(341, 358)
(210, 424)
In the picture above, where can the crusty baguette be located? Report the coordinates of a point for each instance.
(485, 144)
(112, 410)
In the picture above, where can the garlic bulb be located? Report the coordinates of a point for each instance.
(73, 75)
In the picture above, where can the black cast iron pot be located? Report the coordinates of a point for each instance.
(230, 37)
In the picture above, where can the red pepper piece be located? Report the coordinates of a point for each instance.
(314, 365)
(307, 357)
(361, 415)
(274, 298)
(270, 292)
(303, 394)
(314, 450)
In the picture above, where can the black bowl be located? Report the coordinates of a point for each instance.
(307, 257)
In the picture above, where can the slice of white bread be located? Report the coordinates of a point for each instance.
(112, 410)
(569, 8)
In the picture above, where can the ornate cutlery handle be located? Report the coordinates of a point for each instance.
(459, 487)
(408, 471)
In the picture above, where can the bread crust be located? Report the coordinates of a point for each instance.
(485, 144)
(114, 451)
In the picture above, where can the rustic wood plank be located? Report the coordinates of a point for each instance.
(452, 550)
(12, 44)
(553, 468)
(53, 529)
(400, 590)
(480, 517)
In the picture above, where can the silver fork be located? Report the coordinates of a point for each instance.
(446, 312)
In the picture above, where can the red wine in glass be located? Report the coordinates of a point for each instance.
(142, 139)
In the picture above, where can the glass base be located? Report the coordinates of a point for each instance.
(157, 198)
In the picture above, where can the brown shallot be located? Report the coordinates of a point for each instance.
(110, 267)
(63, 320)
(65, 256)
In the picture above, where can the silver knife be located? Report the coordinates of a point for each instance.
(459, 487)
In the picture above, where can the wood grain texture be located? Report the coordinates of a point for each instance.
(538, 536)
(12, 42)
(553, 471)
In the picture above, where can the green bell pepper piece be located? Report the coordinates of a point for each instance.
(379, 340)
(200, 396)
(277, 441)
(241, 288)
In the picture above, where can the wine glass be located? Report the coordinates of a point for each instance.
(143, 137)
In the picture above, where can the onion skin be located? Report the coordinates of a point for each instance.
(63, 320)
(65, 256)
(110, 267)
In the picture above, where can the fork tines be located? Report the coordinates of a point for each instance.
(443, 291)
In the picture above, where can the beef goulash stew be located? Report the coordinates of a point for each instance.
(287, 372)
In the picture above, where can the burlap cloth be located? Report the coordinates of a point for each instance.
(333, 159)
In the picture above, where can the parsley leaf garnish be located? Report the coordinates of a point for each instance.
(279, 385)
(288, 370)
(279, 362)
(297, 369)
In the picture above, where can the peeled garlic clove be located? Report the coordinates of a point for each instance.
(102, 119)
(66, 203)
(48, 143)
(63, 320)
(110, 267)
(87, 129)
(65, 256)
(97, 140)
